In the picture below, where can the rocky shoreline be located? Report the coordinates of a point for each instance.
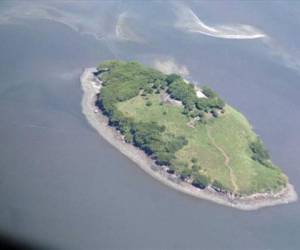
(91, 86)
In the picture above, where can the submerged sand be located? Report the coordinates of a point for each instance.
(91, 86)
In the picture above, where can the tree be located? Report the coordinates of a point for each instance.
(218, 186)
(196, 168)
(220, 103)
(156, 84)
(185, 173)
(128, 138)
(202, 103)
(201, 181)
(172, 78)
(259, 153)
(215, 113)
(194, 160)
(148, 90)
(171, 169)
(208, 92)
(163, 158)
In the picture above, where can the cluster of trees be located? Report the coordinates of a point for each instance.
(208, 104)
(200, 180)
(183, 92)
(260, 153)
(125, 80)
(150, 137)
(194, 106)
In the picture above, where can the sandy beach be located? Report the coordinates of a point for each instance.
(91, 86)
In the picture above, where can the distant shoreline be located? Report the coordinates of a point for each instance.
(99, 122)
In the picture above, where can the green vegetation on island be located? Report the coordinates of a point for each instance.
(201, 139)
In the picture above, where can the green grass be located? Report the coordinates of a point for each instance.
(231, 132)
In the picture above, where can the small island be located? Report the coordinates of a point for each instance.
(185, 136)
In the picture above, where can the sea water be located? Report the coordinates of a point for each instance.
(63, 186)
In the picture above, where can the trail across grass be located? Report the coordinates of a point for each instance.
(226, 162)
(220, 147)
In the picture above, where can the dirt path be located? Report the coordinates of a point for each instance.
(226, 161)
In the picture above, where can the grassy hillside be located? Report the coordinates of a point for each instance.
(212, 146)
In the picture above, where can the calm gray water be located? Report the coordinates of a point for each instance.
(63, 186)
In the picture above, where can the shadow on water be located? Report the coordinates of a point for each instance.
(9, 242)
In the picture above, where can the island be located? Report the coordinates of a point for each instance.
(185, 136)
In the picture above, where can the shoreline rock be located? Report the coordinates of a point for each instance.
(91, 87)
